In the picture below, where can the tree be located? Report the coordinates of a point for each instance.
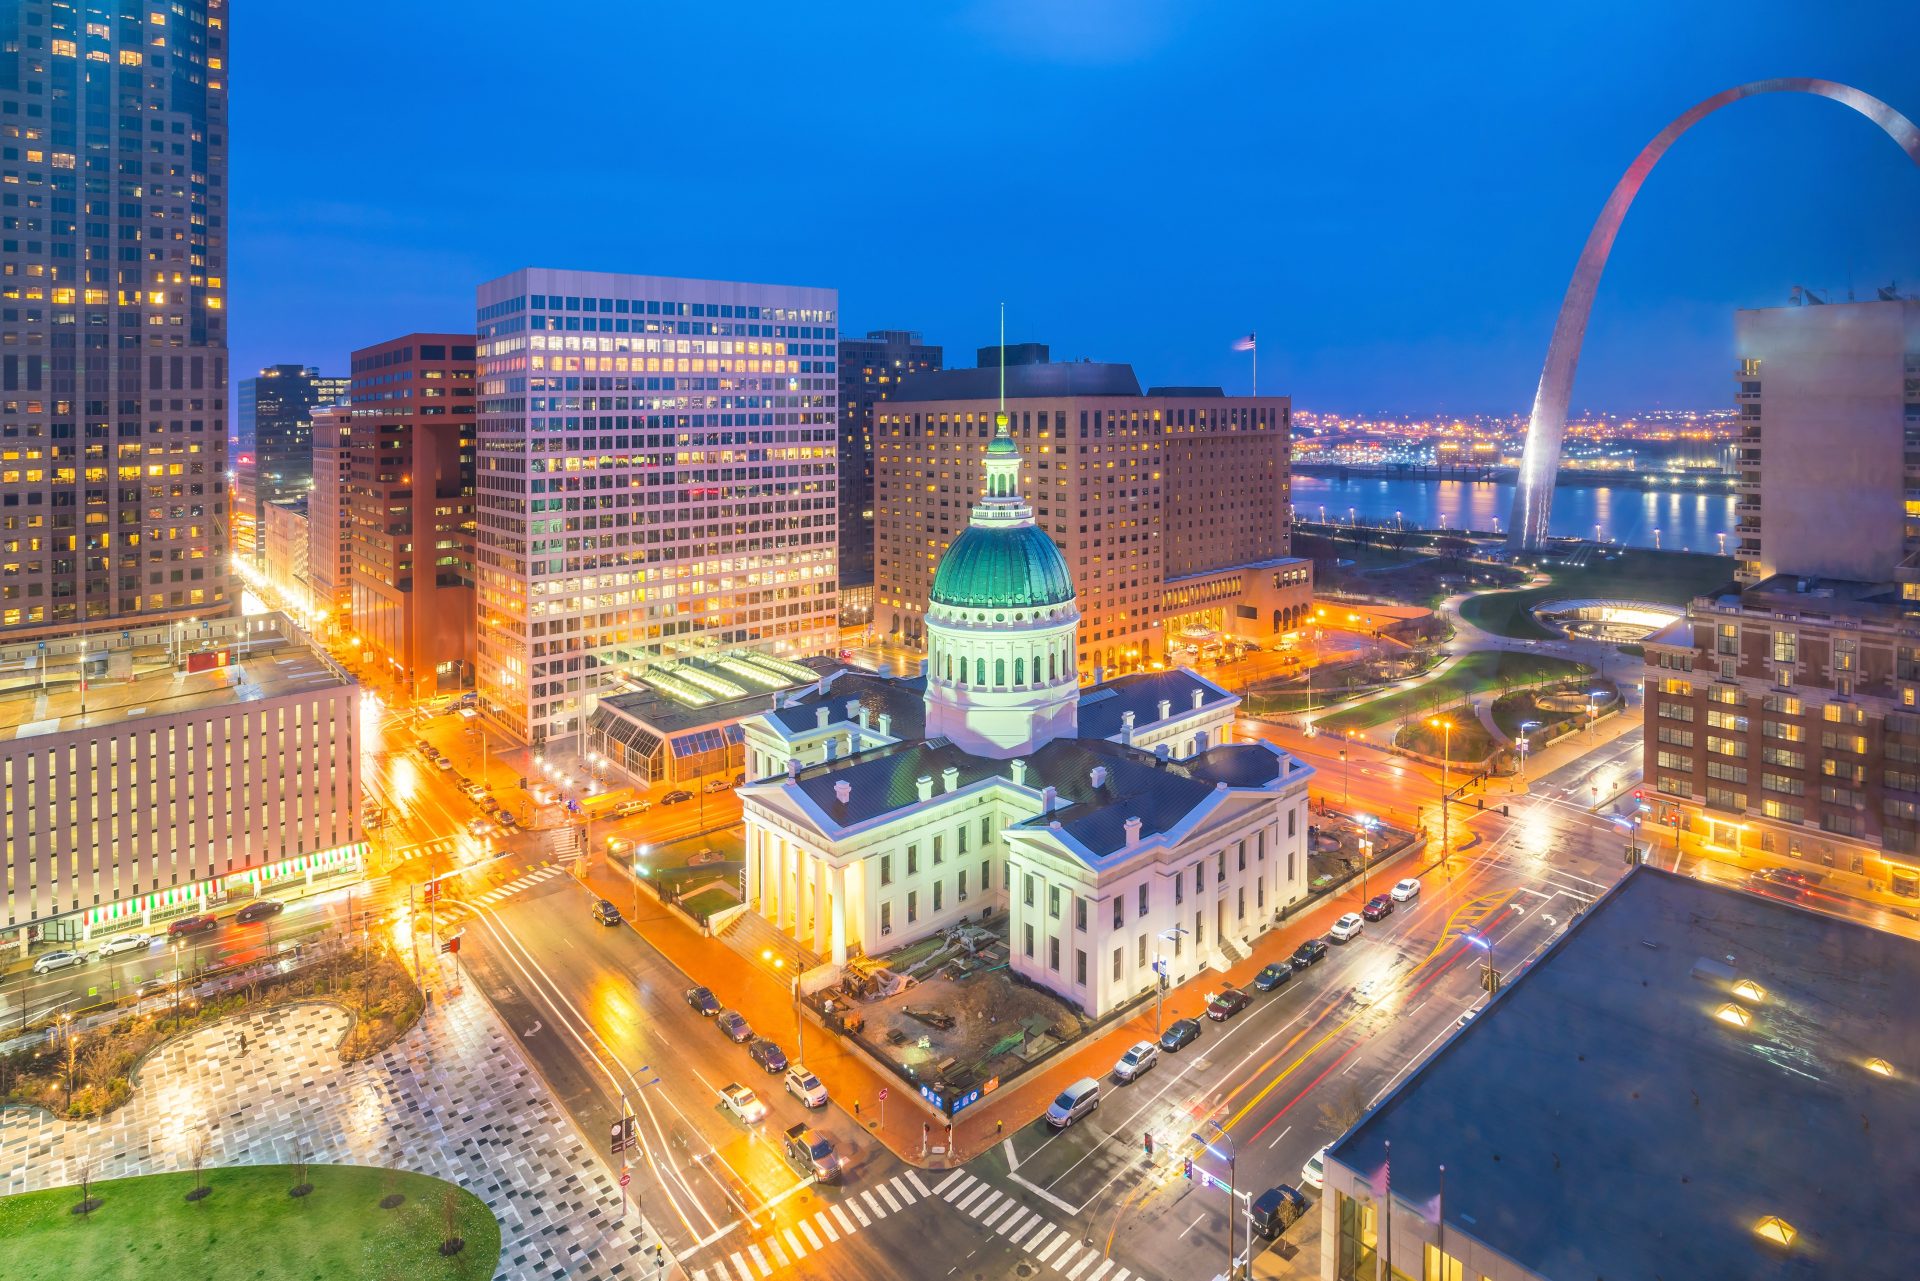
(450, 1243)
(197, 1155)
(87, 1204)
(1344, 1110)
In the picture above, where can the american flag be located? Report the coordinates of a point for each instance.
(1244, 344)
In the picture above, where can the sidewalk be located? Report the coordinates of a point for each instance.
(455, 1098)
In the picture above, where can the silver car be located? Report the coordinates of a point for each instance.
(125, 943)
(1136, 1060)
(58, 961)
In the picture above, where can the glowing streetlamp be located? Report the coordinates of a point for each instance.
(1446, 759)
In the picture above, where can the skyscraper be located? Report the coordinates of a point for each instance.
(656, 477)
(410, 509)
(870, 371)
(329, 529)
(276, 439)
(113, 324)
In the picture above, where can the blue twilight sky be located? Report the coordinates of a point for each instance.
(1392, 194)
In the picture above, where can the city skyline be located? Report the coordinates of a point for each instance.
(1415, 224)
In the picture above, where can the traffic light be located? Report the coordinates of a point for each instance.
(451, 946)
(430, 892)
(1189, 1170)
(1147, 1142)
(1489, 978)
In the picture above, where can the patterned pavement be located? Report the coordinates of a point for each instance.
(455, 1098)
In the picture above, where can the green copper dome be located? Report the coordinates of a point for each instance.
(1014, 567)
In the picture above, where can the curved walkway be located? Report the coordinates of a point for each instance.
(455, 1098)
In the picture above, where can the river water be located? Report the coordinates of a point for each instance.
(1667, 518)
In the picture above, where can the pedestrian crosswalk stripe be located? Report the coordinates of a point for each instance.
(826, 1226)
(1032, 1223)
(760, 1261)
(1068, 1253)
(873, 1205)
(981, 1209)
(1023, 1215)
(1046, 1230)
(1086, 1261)
(915, 1180)
(971, 1197)
(899, 1185)
(813, 1238)
(799, 1251)
(958, 1176)
(886, 1194)
(846, 1224)
(740, 1266)
(998, 1214)
(1100, 1271)
(779, 1255)
(1055, 1244)
(859, 1214)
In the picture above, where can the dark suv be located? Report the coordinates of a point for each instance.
(1275, 975)
(1311, 952)
(1379, 907)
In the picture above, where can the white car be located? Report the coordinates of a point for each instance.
(742, 1102)
(1347, 927)
(1407, 889)
(125, 943)
(1314, 1173)
(1142, 1056)
(58, 961)
(806, 1087)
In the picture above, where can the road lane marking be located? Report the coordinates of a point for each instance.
(1047, 1196)
(1046, 1230)
(999, 1214)
(799, 1251)
(971, 1197)
(826, 1225)
(1283, 1134)
(955, 1177)
(1100, 1271)
(1086, 1260)
(1073, 1247)
(813, 1238)
(915, 1180)
(859, 1214)
(886, 1194)
(1058, 1241)
(846, 1224)
(981, 1209)
(1190, 1227)
(740, 1264)
(878, 1211)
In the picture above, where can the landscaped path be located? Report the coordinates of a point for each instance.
(455, 1098)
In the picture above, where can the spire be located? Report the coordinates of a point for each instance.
(1002, 418)
(1002, 504)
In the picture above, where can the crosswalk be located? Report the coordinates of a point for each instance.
(526, 881)
(785, 1247)
(1046, 1241)
(1059, 1248)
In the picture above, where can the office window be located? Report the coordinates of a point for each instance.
(1026, 894)
(1119, 911)
(913, 906)
(1028, 940)
(938, 886)
(939, 850)
(1079, 913)
(1053, 955)
(1053, 901)
(1119, 962)
(886, 918)
(961, 889)
(1441, 1266)
(886, 869)
(1080, 968)
(1143, 900)
(913, 860)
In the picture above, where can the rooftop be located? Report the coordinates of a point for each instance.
(1024, 382)
(139, 677)
(680, 707)
(1601, 1119)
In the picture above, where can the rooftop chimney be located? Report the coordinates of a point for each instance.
(1166, 708)
(950, 778)
(820, 687)
(886, 724)
(925, 785)
(1019, 771)
(1199, 697)
(862, 715)
(833, 747)
(1162, 751)
(1098, 777)
(843, 791)
(793, 767)
(853, 711)
(1126, 728)
(1049, 800)
(820, 715)
(1133, 832)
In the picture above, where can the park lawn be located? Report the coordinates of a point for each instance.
(1476, 673)
(249, 1228)
(1469, 741)
(1671, 578)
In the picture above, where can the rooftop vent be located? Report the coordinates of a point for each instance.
(843, 791)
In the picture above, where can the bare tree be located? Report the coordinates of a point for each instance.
(197, 1155)
(450, 1242)
(1343, 1111)
(87, 1204)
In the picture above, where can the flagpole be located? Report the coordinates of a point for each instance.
(1387, 1210)
(1443, 1210)
(1254, 334)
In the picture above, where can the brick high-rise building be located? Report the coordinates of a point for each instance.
(657, 478)
(330, 527)
(1170, 505)
(410, 505)
(871, 369)
(113, 382)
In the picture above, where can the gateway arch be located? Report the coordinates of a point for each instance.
(1533, 495)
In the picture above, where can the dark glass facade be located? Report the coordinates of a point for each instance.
(870, 369)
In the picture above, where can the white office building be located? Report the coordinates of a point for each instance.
(656, 479)
(1120, 826)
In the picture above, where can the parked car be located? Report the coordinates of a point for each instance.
(1076, 1101)
(1347, 928)
(1140, 1058)
(125, 943)
(768, 1055)
(1279, 974)
(806, 1087)
(1179, 1033)
(812, 1151)
(717, 785)
(677, 795)
(151, 987)
(188, 926)
(624, 808)
(742, 1102)
(441, 762)
(1406, 890)
(51, 961)
(1314, 1173)
(703, 1000)
(1378, 908)
(606, 913)
(1228, 1003)
(733, 1026)
(1276, 1210)
(1311, 952)
(259, 910)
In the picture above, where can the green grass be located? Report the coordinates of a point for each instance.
(1671, 578)
(249, 1229)
(1474, 674)
(1469, 740)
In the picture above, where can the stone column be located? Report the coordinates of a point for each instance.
(821, 923)
(839, 936)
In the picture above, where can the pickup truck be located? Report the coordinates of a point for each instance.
(812, 1153)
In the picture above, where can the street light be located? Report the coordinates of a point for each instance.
(1367, 824)
(1485, 944)
(1525, 745)
(799, 1030)
(1446, 758)
(1230, 1156)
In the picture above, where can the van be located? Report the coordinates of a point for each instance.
(1078, 1099)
